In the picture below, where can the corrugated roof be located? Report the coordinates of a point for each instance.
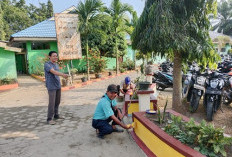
(44, 29)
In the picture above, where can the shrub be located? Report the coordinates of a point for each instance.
(204, 138)
(128, 64)
(97, 63)
(7, 81)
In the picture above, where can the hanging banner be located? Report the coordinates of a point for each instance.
(68, 39)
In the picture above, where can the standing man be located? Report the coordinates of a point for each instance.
(107, 111)
(52, 74)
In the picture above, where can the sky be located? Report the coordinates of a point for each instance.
(61, 5)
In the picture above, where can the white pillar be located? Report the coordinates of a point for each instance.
(144, 99)
(149, 78)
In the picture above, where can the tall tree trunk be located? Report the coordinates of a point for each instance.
(87, 59)
(177, 81)
(117, 64)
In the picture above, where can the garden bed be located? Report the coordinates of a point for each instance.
(156, 142)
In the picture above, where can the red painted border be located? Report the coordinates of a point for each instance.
(171, 141)
(140, 143)
(84, 83)
(9, 86)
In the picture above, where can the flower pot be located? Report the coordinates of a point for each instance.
(144, 85)
(83, 79)
(98, 75)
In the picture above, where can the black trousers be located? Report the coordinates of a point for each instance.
(54, 102)
(103, 125)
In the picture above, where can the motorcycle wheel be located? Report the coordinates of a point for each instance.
(161, 88)
(209, 111)
(194, 102)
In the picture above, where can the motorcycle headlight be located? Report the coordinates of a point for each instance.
(213, 83)
(201, 80)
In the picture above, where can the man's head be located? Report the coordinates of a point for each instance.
(53, 56)
(127, 80)
(112, 91)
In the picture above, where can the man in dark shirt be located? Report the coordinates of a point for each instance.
(52, 74)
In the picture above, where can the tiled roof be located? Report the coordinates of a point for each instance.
(214, 35)
(44, 29)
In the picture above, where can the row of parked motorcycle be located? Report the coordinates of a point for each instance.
(213, 86)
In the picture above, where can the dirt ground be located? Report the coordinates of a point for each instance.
(222, 118)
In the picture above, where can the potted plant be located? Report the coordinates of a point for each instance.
(84, 79)
(141, 83)
(97, 63)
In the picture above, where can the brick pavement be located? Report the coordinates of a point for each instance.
(24, 133)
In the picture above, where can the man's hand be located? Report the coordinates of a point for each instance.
(65, 75)
(129, 126)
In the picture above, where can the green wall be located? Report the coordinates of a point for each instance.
(130, 53)
(7, 64)
(34, 57)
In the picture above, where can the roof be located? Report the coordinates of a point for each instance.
(9, 48)
(214, 35)
(44, 29)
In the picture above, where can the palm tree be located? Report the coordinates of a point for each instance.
(223, 22)
(117, 12)
(89, 16)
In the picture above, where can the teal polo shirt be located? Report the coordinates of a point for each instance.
(103, 110)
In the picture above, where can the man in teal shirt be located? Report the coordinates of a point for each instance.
(106, 111)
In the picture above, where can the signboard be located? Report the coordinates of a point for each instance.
(68, 39)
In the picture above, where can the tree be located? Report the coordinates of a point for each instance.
(117, 12)
(20, 4)
(224, 24)
(88, 17)
(2, 32)
(179, 29)
(49, 9)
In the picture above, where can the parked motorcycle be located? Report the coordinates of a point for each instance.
(162, 80)
(166, 67)
(227, 94)
(213, 94)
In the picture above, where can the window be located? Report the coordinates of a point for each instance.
(40, 46)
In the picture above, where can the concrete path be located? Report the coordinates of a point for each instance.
(24, 133)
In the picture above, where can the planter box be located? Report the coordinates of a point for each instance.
(155, 142)
(9, 86)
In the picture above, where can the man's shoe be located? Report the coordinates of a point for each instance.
(118, 130)
(100, 136)
(58, 117)
(51, 122)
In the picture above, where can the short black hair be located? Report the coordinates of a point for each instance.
(51, 52)
(112, 88)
